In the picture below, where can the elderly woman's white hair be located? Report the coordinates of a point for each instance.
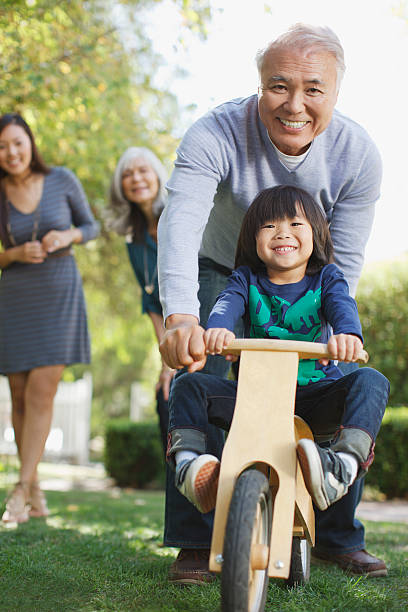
(120, 207)
(305, 37)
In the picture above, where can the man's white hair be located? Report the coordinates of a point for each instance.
(305, 37)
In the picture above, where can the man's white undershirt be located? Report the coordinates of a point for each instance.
(291, 162)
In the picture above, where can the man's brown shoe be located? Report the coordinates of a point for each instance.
(191, 567)
(357, 562)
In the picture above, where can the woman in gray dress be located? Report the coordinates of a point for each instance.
(43, 325)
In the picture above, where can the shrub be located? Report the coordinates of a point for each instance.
(389, 472)
(382, 299)
(133, 453)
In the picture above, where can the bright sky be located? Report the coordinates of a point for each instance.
(374, 91)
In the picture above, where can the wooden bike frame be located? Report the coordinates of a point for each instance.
(264, 433)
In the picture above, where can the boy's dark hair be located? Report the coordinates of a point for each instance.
(277, 203)
(37, 165)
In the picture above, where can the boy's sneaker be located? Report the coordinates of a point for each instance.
(197, 479)
(325, 473)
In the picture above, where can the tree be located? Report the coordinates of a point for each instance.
(87, 97)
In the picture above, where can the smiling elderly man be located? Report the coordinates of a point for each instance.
(288, 134)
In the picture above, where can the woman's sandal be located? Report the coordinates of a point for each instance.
(37, 501)
(17, 507)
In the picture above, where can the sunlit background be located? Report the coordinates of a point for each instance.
(93, 78)
(374, 92)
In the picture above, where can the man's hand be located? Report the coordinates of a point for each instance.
(183, 343)
(344, 347)
(218, 338)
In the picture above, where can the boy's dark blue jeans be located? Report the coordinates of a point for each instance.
(356, 401)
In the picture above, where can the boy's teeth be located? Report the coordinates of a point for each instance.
(293, 124)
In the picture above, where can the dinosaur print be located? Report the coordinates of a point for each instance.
(274, 317)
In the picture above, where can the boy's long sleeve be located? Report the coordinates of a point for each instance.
(338, 307)
(231, 303)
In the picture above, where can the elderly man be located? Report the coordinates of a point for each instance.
(288, 134)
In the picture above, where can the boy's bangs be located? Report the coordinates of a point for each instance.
(278, 208)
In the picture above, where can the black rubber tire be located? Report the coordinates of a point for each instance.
(244, 589)
(300, 563)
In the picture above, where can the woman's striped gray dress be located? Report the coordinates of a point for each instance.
(42, 308)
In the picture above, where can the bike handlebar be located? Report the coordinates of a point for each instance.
(306, 350)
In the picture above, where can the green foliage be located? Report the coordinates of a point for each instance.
(133, 453)
(65, 68)
(389, 472)
(82, 75)
(124, 348)
(383, 306)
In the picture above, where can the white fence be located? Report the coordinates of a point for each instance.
(140, 400)
(70, 428)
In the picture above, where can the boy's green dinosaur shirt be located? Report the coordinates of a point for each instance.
(299, 311)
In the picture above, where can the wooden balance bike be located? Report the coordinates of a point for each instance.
(264, 520)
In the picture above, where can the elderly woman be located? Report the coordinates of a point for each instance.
(43, 324)
(137, 198)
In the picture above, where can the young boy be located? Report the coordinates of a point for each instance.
(286, 287)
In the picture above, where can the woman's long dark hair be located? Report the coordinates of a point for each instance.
(278, 203)
(37, 165)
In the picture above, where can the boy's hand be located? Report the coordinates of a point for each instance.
(344, 347)
(216, 339)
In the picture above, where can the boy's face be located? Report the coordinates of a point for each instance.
(285, 246)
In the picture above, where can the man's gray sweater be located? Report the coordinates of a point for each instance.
(224, 160)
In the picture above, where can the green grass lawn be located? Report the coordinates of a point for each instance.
(101, 551)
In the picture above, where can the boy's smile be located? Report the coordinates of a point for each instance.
(285, 246)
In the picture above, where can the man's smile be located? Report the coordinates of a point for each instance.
(297, 125)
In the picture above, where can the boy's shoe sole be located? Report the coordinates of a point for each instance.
(311, 465)
(325, 473)
(201, 482)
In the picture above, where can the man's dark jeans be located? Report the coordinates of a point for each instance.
(337, 529)
(184, 525)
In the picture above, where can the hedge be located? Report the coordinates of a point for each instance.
(134, 454)
(389, 472)
(382, 299)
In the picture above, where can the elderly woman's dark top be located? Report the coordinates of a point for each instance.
(143, 257)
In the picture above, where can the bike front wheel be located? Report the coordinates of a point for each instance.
(244, 577)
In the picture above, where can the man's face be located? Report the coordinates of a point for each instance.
(297, 96)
